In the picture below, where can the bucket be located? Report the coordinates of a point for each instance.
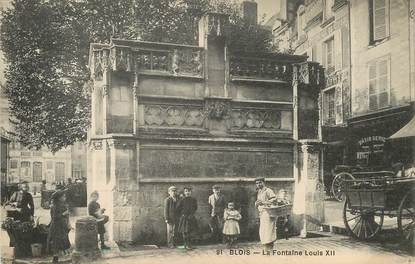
(36, 250)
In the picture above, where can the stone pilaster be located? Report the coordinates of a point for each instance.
(308, 207)
(124, 177)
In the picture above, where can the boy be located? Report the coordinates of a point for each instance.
(170, 216)
(94, 209)
(186, 208)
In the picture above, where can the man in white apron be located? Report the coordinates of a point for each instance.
(267, 224)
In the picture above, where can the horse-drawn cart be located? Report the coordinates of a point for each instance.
(351, 173)
(370, 199)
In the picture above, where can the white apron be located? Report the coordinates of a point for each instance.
(267, 225)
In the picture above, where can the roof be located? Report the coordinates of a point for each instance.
(407, 131)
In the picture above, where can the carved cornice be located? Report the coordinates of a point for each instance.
(95, 144)
(121, 144)
(309, 146)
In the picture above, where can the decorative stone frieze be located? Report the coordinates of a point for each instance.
(260, 68)
(176, 60)
(121, 59)
(173, 116)
(266, 119)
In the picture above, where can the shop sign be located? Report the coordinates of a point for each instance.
(372, 145)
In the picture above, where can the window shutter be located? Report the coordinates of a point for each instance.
(323, 55)
(314, 53)
(380, 15)
(339, 105)
(338, 54)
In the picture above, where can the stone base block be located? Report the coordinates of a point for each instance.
(85, 257)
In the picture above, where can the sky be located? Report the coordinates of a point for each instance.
(267, 7)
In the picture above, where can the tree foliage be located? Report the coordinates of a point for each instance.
(46, 45)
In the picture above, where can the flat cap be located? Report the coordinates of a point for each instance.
(260, 179)
(171, 188)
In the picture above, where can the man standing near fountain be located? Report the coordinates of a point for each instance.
(267, 224)
(217, 206)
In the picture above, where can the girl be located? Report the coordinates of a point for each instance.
(58, 240)
(186, 209)
(231, 225)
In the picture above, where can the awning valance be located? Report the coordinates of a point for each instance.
(405, 132)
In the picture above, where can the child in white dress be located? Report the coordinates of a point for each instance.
(231, 226)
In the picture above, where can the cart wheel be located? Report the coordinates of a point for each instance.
(337, 186)
(406, 217)
(362, 224)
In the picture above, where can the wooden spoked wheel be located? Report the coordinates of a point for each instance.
(362, 224)
(337, 186)
(406, 217)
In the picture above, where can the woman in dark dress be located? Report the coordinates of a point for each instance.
(23, 202)
(186, 209)
(58, 240)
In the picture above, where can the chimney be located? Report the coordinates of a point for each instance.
(250, 11)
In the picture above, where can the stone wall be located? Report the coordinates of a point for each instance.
(179, 162)
(142, 220)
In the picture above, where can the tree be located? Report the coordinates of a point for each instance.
(46, 46)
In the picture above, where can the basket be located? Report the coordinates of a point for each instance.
(280, 210)
(36, 250)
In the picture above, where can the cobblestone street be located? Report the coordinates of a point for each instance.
(333, 249)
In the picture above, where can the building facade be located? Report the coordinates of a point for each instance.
(367, 50)
(382, 82)
(79, 160)
(320, 29)
(34, 166)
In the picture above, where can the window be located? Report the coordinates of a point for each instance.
(379, 84)
(329, 56)
(300, 21)
(37, 153)
(13, 164)
(25, 169)
(329, 107)
(37, 171)
(60, 172)
(76, 174)
(26, 153)
(379, 19)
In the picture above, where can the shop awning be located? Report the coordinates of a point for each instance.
(407, 131)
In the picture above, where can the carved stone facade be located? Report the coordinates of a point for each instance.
(217, 108)
(176, 60)
(173, 116)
